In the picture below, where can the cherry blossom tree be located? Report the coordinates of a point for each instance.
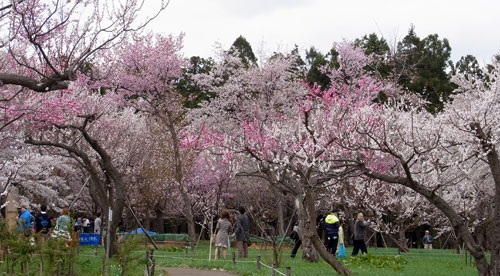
(144, 71)
(50, 41)
(449, 158)
(102, 136)
(291, 129)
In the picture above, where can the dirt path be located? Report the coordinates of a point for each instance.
(177, 271)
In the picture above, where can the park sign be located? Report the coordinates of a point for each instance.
(89, 239)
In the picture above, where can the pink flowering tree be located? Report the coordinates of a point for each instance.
(50, 41)
(144, 71)
(102, 136)
(291, 130)
(450, 159)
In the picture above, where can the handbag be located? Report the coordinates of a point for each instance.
(341, 253)
(249, 243)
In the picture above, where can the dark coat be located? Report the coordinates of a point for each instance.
(242, 228)
(359, 230)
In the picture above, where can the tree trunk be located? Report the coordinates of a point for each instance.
(308, 252)
(456, 221)
(495, 245)
(192, 232)
(169, 120)
(400, 242)
(311, 232)
(281, 216)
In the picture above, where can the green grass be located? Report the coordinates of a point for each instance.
(418, 263)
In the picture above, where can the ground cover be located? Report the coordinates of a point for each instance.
(416, 263)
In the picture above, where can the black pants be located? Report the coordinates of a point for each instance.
(331, 243)
(298, 243)
(359, 244)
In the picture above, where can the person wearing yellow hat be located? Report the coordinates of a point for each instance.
(332, 225)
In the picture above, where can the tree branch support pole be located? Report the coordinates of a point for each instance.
(210, 238)
(140, 224)
(108, 241)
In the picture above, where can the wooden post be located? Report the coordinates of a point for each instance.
(186, 252)
(465, 253)
(258, 263)
(95, 251)
(152, 267)
(41, 266)
(234, 257)
(288, 271)
(273, 271)
(147, 263)
(151, 256)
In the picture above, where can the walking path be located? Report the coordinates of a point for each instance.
(177, 271)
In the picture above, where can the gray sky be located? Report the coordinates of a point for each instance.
(472, 27)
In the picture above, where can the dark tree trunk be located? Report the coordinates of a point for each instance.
(170, 121)
(309, 253)
(456, 221)
(400, 241)
(311, 232)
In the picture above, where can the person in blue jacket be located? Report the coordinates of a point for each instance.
(24, 220)
(332, 225)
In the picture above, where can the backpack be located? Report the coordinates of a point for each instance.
(44, 222)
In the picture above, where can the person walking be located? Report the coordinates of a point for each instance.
(332, 225)
(43, 223)
(63, 224)
(427, 240)
(78, 224)
(242, 233)
(222, 239)
(359, 235)
(24, 220)
(97, 224)
(296, 238)
(340, 247)
(85, 227)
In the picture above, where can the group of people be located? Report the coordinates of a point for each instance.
(334, 240)
(88, 225)
(44, 224)
(240, 231)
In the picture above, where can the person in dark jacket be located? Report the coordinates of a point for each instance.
(427, 240)
(241, 233)
(332, 225)
(43, 221)
(296, 238)
(359, 235)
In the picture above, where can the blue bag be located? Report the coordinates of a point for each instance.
(341, 253)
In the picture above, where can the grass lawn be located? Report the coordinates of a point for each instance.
(418, 263)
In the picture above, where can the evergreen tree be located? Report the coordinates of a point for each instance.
(427, 60)
(372, 44)
(468, 66)
(186, 86)
(245, 51)
(315, 61)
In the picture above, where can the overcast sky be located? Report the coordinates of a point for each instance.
(472, 27)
